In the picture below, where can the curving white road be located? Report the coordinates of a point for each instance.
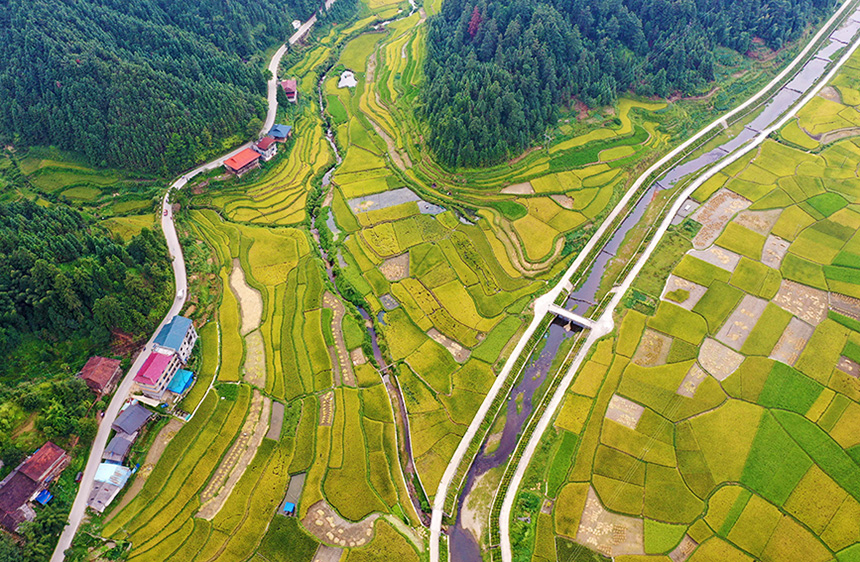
(180, 278)
(604, 324)
(605, 321)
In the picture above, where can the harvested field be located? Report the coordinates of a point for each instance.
(357, 356)
(719, 360)
(340, 353)
(255, 359)
(250, 300)
(460, 353)
(675, 283)
(327, 408)
(683, 550)
(327, 526)
(563, 200)
(773, 251)
(653, 349)
(237, 459)
(294, 490)
(808, 304)
(848, 366)
(830, 93)
(524, 188)
(276, 422)
(715, 215)
(624, 411)
(717, 256)
(738, 326)
(388, 302)
(692, 380)
(759, 221)
(327, 553)
(396, 268)
(792, 341)
(843, 304)
(608, 533)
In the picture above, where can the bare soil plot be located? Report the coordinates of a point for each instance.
(396, 268)
(524, 188)
(325, 524)
(830, 93)
(357, 356)
(563, 200)
(255, 359)
(388, 302)
(294, 490)
(276, 421)
(719, 360)
(653, 349)
(843, 304)
(683, 550)
(460, 353)
(691, 382)
(848, 366)
(717, 256)
(624, 411)
(327, 553)
(715, 215)
(774, 251)
(738, 326)
(687, 207)
(608, 533)
(237, 459)
(250, 300)
(675, 283)
(759, 221)
(808, 304)
(792, 341)
(327, 408)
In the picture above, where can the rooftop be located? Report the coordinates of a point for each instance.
(173, 333)
(280, 131)
(242, 159)
(99, 371)
(132, 419)
(180, 381)
(40, 463)
(118, 447)
(152, 368)
(265, 143)
(16, 491)
(290, 86)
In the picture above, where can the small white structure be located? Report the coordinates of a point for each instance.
(347, 80)
(296, 24)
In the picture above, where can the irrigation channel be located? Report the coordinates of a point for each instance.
(463, 546)
(395, 395)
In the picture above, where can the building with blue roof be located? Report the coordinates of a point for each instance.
(177, 336)
(281, 132)
(182, 381)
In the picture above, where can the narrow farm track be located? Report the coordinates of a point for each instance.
(605, 324)
(180, 277)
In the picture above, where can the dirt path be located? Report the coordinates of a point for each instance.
(340, 351)
(237, 459)
(161, 440)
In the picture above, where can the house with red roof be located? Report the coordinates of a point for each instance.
(101, 374)
(267, 147)
(291, 88)
(156, 372)
(29, 480)
(246, 160)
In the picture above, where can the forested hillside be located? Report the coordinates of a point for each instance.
(61, 279)
(139, 84)
(496, 69)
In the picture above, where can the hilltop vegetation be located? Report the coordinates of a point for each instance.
(496, 70)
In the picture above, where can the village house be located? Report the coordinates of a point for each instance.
(281, 132)
(109, 480)
(291, 89)
(155, 374)
(29, 482)
(101, 374)
(118, 448)
(245, 161)
(267, 147)
(131, 420)
(177, 336)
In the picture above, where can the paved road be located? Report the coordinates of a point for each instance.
(541, 304)
(80, 504)
(605, 322)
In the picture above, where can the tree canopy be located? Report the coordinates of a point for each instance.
(497, 69)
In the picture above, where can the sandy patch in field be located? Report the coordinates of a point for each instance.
(845, 305)
(848, 366)
(774, 251)
(696, 291)
(653, 349)
(327, 526)
(691, 381)
(719, 360)
(524, 188)
(759, 221)
(683, 550)
(608, 533)
(158, 445)
(717, 256)
(715, 215)
(250, 300)
(792, 341)
(563, 200)
(830, 93)
(327, 408)
(808, 304)
(237, 459)
(460, 353)
(738, 326)
(255, 359)
(396, 268)
(624, 411)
